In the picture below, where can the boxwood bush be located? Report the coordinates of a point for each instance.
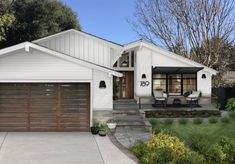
(230, 106)
(213, 120)
(197, 121)
(225, 120)
(183, 121)
(168, 121)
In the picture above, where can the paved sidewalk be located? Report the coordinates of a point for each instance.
(58, 148)
(110, 153)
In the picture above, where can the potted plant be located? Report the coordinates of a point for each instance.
(115, 90)
(95, 128)
(104, 130)
(111, 124)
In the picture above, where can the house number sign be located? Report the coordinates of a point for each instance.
(144, 83)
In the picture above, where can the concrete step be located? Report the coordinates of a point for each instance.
(128, 117)
(131, 123)
(126, 111)
(124, 101)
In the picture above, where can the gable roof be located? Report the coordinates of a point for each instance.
(140, 43)
(79, 32)
(27, 45)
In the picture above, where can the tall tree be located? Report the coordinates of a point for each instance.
(187, 26)
(38, 18)
(6, 18)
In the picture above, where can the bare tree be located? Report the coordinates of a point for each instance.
(187, 27)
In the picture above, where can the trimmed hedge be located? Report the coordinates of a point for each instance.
(182, 114)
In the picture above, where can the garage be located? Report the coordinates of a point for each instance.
(44, 106)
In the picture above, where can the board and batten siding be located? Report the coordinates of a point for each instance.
(84, 46)
(36, 65)
(147, 58)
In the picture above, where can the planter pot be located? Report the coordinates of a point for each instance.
(102, 133)
(112, 125)
(115, 97)
(94, 130)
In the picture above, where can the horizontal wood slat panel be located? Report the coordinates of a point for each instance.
(44, 107)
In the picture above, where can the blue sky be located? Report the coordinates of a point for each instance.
(106, 18)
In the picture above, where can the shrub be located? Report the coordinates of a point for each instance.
(139, 149)
(197, 121)
(164, 148)
(214, 154)
(105, 128)
(168, 121)
(213, 120)
(160, 156)
(166, 141)
(153, 122)
(183, 121)
(230, 104)
(232, 114)
(225, 120)
(228, 148)
(192, 158)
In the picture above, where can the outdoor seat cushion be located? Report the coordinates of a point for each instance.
(160, 99)
(194, 96)
(191, 98)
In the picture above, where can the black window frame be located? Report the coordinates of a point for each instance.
(181, 78)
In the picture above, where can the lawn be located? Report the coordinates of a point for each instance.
(195, 141)
(183, 131)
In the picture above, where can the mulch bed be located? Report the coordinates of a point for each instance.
(182, 113)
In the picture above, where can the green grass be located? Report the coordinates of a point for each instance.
(215, 131)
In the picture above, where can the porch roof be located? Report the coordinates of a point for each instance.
(176, 69)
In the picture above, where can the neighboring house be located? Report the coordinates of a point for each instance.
(62, 82)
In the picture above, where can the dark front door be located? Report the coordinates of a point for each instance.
(126, 85)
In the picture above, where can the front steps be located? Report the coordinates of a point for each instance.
(125, 104)
(127, 114)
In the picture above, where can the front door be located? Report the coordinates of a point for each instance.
(125, 85)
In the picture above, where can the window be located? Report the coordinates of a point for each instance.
(175, 84)
(124, 60)
(159, 82)
(132, 58)
(127, 60)
(189, 82)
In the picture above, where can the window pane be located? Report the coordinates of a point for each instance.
(189, 85)
(159, 84)
(174, 86)
(115, 64)
(132, 58)
(124, 60)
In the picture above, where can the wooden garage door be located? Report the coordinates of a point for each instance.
(44, 107)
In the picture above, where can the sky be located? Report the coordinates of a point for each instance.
(106, 18)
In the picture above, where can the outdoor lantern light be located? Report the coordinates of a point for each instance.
(203, 76)
(143, 76)
(102, 84)
(124, 63)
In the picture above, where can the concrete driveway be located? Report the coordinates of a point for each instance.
(58, 148)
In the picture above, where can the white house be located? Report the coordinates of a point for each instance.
(61, 82)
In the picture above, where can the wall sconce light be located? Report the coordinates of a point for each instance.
(102, 84)
(203, 76)
(143, 76)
